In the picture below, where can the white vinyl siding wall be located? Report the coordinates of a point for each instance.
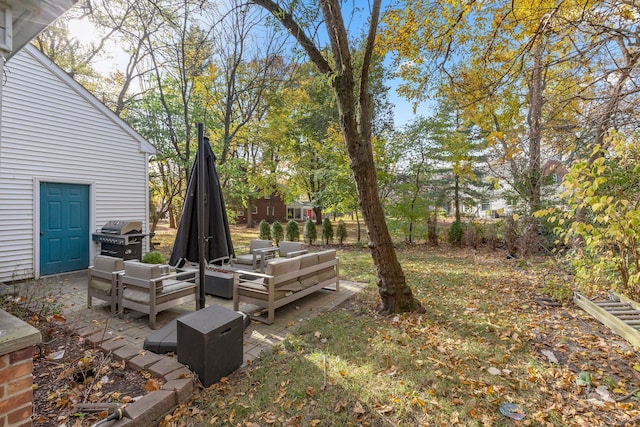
(54, 132)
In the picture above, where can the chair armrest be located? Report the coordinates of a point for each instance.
(296, 253)
(262, 251)
(252, 273)
(264, 255)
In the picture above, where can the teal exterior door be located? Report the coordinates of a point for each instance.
(64, 227)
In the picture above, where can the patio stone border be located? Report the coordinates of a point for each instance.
(179, 381)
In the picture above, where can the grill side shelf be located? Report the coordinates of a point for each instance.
(604, 311)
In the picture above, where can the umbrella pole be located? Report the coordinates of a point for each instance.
(201, 214)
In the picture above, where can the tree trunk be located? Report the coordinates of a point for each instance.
(355, 114)
(172, 218)
(456, 196)
(318, 213)
(530, 243)
(250, 213)
(535, 128)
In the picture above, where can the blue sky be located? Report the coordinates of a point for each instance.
(403, 113)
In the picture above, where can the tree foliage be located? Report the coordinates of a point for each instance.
(341, 232)
(265, 230)
(292, 231)
(327, 231)
(310, 232)
(277, 232)
(608, 188)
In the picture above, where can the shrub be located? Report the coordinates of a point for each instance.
(153, 257)
(341, 231)
(277, 233)
(265, 230)
(472, 236)
(327, 231)
(292, 231)
(511, 234)
(491, 236)
(456, 232)
(310, 232)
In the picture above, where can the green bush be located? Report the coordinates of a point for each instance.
(265, 230)
(277, 232)
(292, 231)
(327, 231)
(341, 231)
(310, 232)
(153, 257)
(456, 233)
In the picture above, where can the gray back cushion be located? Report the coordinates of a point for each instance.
(286, 247)
(143, 271)
(108, 263)
(259, 244)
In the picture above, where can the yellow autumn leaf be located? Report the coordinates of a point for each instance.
(152, 385)
(270, 418)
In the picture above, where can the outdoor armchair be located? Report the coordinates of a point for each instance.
(103, 280)
(291, 249)
(259, 252)
(152, 288)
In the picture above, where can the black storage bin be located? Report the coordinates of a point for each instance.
(210, 342)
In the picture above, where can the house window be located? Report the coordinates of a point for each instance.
(486, 206)
(6, 31)
(294, 213)
(240, 211)
(557, 179)
(271, 211)
(254, 210)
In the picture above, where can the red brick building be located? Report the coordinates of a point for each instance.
(272, 209)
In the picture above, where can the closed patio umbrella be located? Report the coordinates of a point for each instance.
(203, 194)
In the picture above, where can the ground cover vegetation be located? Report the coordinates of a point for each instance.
(498, 330)
(483, 342)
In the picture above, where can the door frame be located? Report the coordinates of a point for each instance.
(36, 215)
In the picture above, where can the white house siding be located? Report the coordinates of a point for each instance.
(55, 131)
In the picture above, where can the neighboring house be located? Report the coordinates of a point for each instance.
(273, 208)
(68, 165)
(495, 205)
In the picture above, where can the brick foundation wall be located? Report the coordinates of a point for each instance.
(16, 370)
(16, 393)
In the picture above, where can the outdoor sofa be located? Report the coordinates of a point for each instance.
(284, 281)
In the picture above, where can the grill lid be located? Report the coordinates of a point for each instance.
(122, 227)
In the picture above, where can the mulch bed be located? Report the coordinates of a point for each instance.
(68, 371)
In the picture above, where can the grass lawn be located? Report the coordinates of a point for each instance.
(482, 343)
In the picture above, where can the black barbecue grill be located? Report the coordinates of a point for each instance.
(122, 239)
